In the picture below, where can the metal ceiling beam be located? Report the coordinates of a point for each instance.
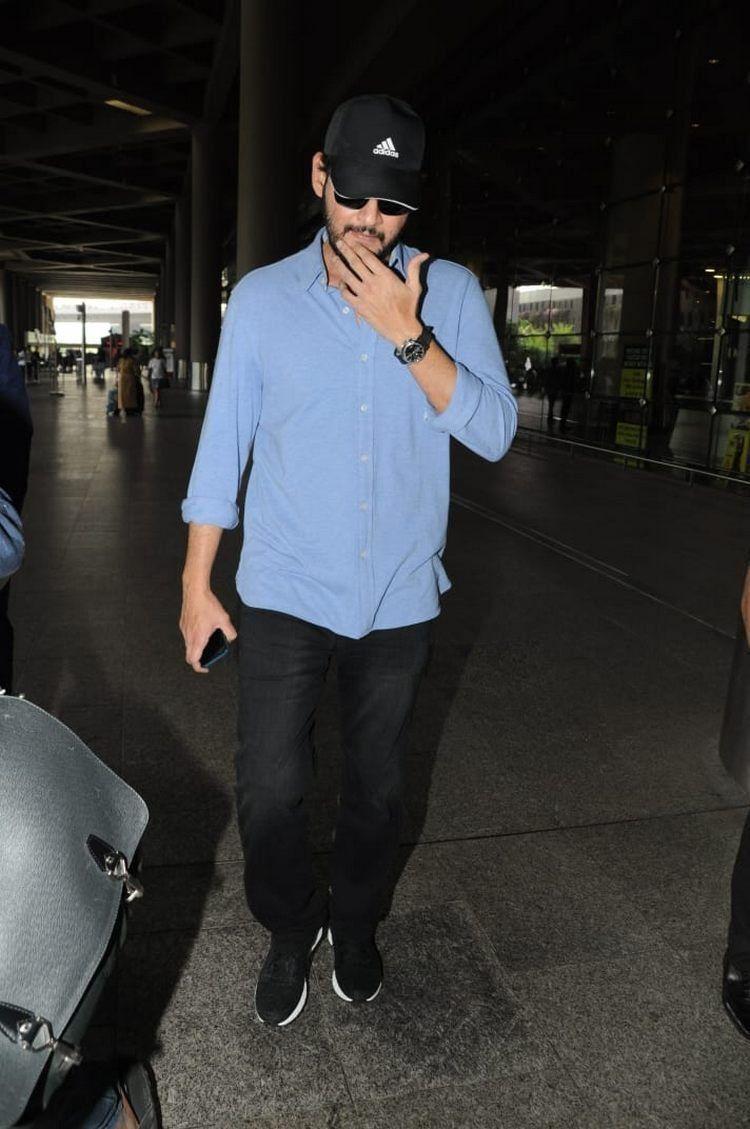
(78, 221)
(117, 46)
(29, 144)
(28, 67)
(84, 205)
(75, 174)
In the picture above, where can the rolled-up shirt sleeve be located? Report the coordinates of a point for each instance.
(482, 412)
(231, 419)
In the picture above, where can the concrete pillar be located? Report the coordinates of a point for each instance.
(125, 329)
(30, 306)
(19, 310)
(158, 308)
(588, 323)
(5, 296)
(268, 179)
(168, 293)
(500, 312)
(181, 233)
(206, 255)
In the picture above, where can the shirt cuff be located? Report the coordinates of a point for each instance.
(210, 511)
(462, 404)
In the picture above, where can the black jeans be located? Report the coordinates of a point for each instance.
(283, 664)
(738, 942)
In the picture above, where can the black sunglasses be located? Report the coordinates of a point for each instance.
(386, 207)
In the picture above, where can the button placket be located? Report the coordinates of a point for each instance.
(364, 385)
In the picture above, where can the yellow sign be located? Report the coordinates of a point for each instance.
(633, 374)
(737, 451)
(628, 435)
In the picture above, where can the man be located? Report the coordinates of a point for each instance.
(735, 743)
(329, 369)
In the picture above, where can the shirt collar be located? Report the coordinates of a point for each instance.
(311, 265)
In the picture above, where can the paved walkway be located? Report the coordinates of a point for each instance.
(553, 951)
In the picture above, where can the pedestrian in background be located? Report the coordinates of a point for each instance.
(157, 375)
(129, 387)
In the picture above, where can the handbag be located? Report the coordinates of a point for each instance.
(69, 830)
(734, 743)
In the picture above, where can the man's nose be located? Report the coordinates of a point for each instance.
(370, 212)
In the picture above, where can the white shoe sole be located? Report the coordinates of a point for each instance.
(303, 998)
(337, 987)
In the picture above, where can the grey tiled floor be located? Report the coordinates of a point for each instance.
(554, 941)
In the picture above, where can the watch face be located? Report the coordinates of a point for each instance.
(412, 352)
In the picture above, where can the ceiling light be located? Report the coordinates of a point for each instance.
(709, 270)
(127, 106)
(713, 62)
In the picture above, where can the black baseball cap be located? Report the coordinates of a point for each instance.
(375, 145)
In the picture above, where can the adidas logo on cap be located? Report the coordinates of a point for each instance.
(386, 148)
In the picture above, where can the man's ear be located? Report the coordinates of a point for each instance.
(318, 174)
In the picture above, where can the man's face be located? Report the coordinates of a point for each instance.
(377, 232)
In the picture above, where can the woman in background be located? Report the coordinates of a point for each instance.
(129, 384)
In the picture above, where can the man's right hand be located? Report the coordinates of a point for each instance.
(201, 615)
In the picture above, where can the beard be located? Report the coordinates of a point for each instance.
(335, 232)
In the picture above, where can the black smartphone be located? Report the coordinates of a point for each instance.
(215, 649)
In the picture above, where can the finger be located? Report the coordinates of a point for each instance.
(229, 630)
(194, 651)
(346, 267)
(363, 256)
(413, 269)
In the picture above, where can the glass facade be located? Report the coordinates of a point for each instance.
(656, 322)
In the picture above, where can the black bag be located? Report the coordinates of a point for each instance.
(69, 830)
(734, 743)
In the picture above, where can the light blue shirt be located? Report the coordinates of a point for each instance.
(347, 504)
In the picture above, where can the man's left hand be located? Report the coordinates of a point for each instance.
(377, 294)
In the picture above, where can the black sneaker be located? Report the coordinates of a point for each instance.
(736, 996)
(281, 992)
(357, 969)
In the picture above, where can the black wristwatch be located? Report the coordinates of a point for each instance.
(414, 348)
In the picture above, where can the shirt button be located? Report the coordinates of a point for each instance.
(363, 357)
(363, 553)
(363, 407)
(363, 458)
(363, 505)
(345, 309)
